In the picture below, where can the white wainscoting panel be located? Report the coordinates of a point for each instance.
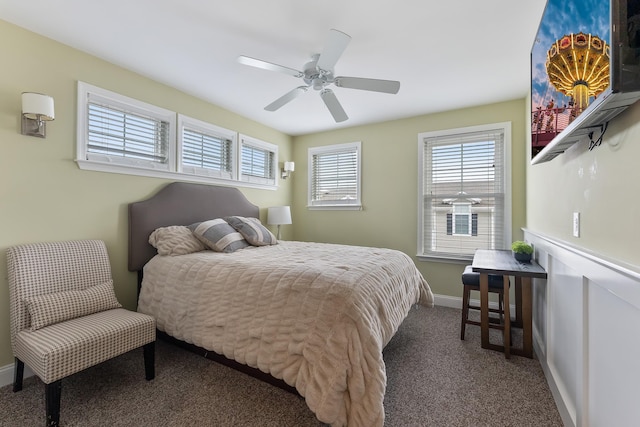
(614, 359)
(564, 330)
(586, 318)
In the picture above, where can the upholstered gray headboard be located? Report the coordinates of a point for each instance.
(180, 203)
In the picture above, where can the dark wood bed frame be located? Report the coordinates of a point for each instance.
(181, 203)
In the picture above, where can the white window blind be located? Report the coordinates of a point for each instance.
(115, 132)
(463, 192)
(335, 175)
(258, 161)
(206, 149)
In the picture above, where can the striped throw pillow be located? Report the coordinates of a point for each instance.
(218, 235)
(47, 309)
(252, 230)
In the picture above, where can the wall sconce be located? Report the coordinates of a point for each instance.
(37, 109)
(287, 169)
(279, 215)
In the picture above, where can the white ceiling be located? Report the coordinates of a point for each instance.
(446, 54)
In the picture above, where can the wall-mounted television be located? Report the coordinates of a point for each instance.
(585, 69)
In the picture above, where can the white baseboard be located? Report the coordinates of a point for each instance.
(6, 374)
(456, 302)
(447, 301)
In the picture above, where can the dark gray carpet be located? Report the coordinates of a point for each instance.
(434, 379)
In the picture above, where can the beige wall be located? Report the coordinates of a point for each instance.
(44, 196)
(390, 185)
(600, 184)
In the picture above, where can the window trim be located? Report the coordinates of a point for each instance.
(172, 172)
(508, 206)
(257, 143)
(328, 149)
(85, 91)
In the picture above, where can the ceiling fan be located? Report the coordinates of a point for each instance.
(318, 74)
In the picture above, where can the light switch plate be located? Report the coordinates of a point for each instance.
(576, 224)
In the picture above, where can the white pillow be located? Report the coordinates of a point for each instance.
(175, 240)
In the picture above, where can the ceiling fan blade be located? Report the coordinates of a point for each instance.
(375, 85)
(336, 44)
(333, 105)
(258, 63)
(286, 98)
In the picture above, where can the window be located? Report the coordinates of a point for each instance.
(205, 149)
(118, 134)
(258, 161)
(118, 130)
(462, 221)
(334, 176)
(464, 191)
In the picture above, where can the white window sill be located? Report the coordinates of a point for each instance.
(335, 208)
(451, 259)
(129, 170)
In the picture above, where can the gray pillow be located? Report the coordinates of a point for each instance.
(252, 229)
(218, 235)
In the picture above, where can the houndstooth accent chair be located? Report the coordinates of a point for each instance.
(67, 280)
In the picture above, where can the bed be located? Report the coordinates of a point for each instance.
(314, 316)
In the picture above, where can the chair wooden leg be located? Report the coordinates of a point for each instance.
(53, 392)
(149, 351)
(465, 311)
(507, 318)
(502, 321)
(18, 374)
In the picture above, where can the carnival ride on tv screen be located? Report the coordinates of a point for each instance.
(570, 65)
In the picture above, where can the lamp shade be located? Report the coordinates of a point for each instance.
(278, 215)
(289, 166)
(37, 106)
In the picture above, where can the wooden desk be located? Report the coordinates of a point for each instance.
(502, 262)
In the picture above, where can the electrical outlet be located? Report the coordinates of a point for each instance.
(576, 224)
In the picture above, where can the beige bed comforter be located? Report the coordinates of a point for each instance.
(314, 315)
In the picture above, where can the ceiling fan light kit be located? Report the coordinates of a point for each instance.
(318, 74)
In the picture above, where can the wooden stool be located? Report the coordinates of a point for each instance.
(471, 282)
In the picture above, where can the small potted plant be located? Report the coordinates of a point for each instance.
(522, 251)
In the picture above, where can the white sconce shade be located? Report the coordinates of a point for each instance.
(289, 166)
(287, 169)
(36, 109)
(279, 215)
(37, 104)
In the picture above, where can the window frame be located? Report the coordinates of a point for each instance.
(208, 129)
(106, 163)
(173, 169)
(505, 129)
(328, 150)
(260, 145)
